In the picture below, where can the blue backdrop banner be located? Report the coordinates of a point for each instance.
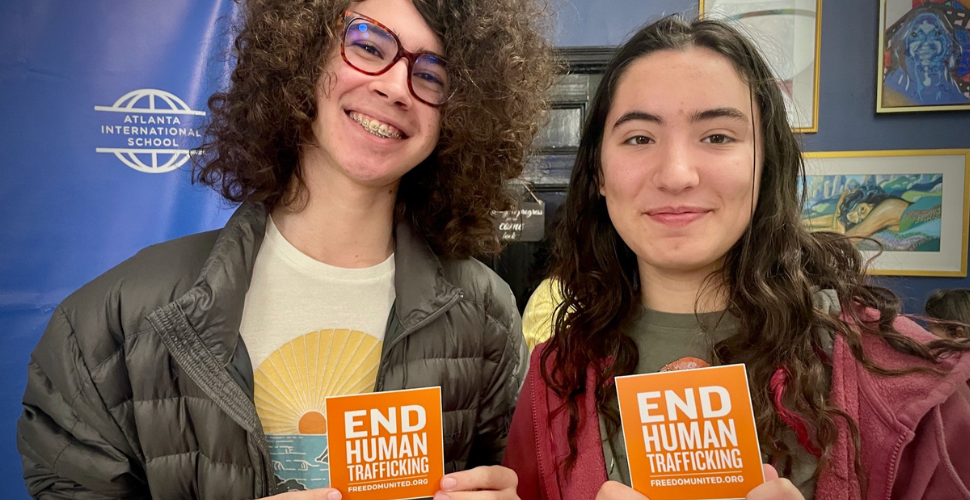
(101, 103)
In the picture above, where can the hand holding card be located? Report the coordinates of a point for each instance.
(386, 445)
(690, 434)
(774, 488)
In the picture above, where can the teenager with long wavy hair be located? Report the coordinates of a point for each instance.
(680, 246)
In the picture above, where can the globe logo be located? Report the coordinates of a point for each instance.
(154, 132)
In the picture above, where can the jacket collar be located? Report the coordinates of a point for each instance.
(214, 305)
(419, 282)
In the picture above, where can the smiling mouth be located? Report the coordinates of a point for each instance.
(676, 217)
(676, 211)
(376, 127)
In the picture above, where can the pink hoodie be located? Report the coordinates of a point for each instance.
(915, 431)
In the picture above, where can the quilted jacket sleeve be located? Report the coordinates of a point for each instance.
(506, 362)
(70, 443)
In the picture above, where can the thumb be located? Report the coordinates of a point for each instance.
(770, 473)
(314, 494)
(322, 494)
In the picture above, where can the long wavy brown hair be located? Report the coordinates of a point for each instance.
(769, 276)
(500, 64)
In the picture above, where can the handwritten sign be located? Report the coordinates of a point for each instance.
(527, 223)
(386, 445)
(690, 434)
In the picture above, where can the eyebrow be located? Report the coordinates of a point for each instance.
(638, 116)
(709, 114)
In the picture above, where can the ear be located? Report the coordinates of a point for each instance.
(600, 182)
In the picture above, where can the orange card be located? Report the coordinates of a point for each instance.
(386, 445)
(690, 434)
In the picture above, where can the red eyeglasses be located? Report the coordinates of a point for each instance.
(372, 48)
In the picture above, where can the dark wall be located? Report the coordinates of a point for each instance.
(847, 92)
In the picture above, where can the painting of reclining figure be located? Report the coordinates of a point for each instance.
(906, 211)
(901, 212)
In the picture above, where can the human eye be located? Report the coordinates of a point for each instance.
(429, 72)
(429, 78)
(370, 49)
(719, 139)
(638, 140)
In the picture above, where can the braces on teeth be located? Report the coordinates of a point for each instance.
(378, 129)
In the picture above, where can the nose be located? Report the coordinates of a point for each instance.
(393, 84)
(677, 171)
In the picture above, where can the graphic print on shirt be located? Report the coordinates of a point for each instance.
(291, 387)
(685, 363)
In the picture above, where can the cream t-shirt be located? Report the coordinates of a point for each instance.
(312, 331)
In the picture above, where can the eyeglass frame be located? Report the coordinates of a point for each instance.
(410, 57)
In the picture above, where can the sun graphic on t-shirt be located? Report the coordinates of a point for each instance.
(313, 422)
(292, 384)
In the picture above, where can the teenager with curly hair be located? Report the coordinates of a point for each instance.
(681, 246)
(368, 144)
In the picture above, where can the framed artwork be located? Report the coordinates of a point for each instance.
(788, 33)
(924, 58)
(556, 144)
(913, 205)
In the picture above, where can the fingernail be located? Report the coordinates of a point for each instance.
(448, 483)
(333, 495)
(441, 496)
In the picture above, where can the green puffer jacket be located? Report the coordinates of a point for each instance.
(142, 388)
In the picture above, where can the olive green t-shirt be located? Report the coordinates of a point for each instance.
(670, 341)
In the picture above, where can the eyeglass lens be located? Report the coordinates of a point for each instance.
(372, 49)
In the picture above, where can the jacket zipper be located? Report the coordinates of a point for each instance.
(535, 432)
(184, 345)
(379, 386)
(893, 469)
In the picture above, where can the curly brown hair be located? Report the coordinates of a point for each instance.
(501, 65)
(771, 275)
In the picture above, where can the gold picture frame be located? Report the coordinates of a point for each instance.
(924, 46)
(780, 34)
(912, 203)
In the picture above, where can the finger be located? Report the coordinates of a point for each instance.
(612, 490)
(506, 494)
(777, 489)
(314, 494)
(480, 478)
(770, 473)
